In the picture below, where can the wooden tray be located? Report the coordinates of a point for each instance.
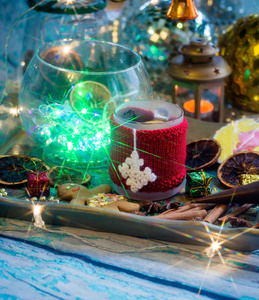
(240, 239)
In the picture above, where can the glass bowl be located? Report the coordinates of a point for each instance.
(68, 93)
(57, 20)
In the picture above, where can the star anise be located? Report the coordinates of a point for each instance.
(238, 222)
(153, 207)
(170, 205)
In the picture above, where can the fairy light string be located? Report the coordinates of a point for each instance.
(43, 229)
(62, 127)
(155, 247)
(8, 37)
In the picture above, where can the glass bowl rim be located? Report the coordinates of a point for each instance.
(62, 42)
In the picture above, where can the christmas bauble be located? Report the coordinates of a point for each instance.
(240, 47)
(222, 13)
(157, 38)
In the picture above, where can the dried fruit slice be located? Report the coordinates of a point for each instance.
(234, 166)
(61, 174)
(88, 99)
(14, 168)
(241, 135)
(202, 154)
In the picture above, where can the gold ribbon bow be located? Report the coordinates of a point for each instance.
(205, 183)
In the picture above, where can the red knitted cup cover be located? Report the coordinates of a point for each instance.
(163, 151)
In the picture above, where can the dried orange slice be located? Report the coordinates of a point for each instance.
(202, 154)
(237, 164)
(61, 174)
(14, 168)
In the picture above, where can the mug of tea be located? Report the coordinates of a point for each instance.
(148, 149)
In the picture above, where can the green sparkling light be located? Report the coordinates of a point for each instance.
(246, 75)
(154, 50)
(78, 128)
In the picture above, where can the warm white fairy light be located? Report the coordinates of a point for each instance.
(154, 2)
(70, 146)
(37, 216)
(67, 2)
(66, 49)
(14, 111)
(214, 247)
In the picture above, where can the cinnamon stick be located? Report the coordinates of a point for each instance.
(188, 215)
(215, 213)
(197, 206)
(236, 212)
(243, 194)
(188, 207)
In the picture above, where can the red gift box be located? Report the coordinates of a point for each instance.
(38, 184)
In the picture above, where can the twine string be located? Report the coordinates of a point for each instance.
(135, 139)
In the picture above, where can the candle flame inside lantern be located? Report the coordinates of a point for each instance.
(205, 106)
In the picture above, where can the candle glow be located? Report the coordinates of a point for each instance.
(37, 216)
(205, 106)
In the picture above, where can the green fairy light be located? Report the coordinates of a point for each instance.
(78, 136)
(154, 50)
(246, 75)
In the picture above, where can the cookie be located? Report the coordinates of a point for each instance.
(97, 197)
(79, 194)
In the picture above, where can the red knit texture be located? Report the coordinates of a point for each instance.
(163, 151)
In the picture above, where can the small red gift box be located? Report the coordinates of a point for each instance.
(38, 184)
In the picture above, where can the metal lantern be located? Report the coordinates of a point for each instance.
(198, 68)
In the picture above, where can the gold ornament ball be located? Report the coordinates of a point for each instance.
(240, 47)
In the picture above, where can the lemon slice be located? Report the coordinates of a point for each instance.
(241, 135)
(89, 98)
